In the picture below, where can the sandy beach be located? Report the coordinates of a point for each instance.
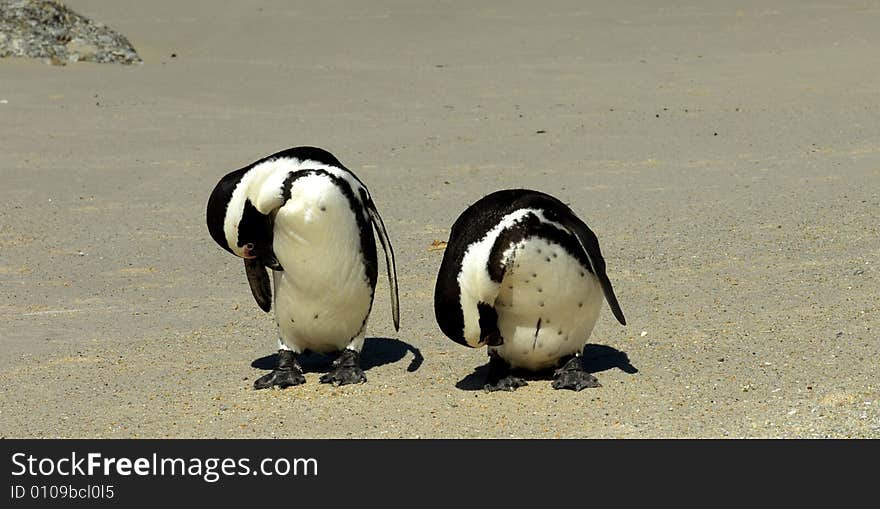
(727, 157)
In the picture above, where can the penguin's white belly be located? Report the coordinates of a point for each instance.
(323, 296)
(547, 306)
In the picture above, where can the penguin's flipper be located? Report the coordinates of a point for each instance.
(379, 225)
(258, 278)
(590, 244)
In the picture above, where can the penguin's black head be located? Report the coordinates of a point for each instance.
(218, 207)
(237, 226)
(255, 232)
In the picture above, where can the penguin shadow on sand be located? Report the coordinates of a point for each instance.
(376, 352)
(596, 358)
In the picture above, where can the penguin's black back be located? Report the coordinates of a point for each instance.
(304, 153)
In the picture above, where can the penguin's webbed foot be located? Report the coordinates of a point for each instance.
(573, 376)
(508, 383)
(346, 370)
(287, 374)
(500, 378)
(281, 378)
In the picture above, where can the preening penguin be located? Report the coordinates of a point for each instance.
(309, 219)
(523, 275)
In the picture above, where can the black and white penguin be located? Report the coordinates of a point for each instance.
(523, 275)
(307, 217)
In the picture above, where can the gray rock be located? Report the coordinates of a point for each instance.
(50, 30)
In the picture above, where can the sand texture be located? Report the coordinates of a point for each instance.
(727, 157)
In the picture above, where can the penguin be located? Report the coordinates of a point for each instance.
(524, 276)
(306, 217)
